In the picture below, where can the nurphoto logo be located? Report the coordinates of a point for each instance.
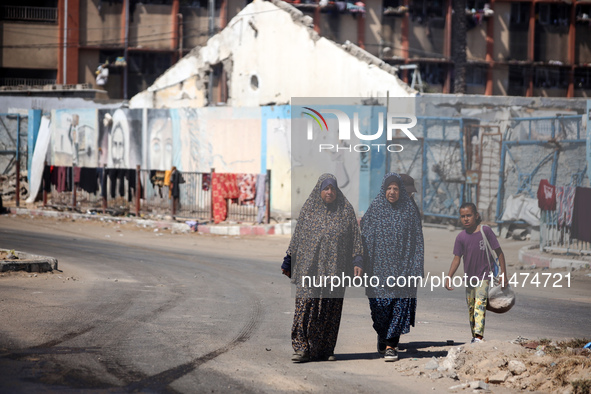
(393, 122)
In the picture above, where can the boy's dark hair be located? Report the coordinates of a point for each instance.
(473, 207)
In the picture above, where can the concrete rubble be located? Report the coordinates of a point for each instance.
(482, 367)
(11, 260)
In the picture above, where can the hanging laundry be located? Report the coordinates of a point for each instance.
(88, 180)
(112, 174)
(261, 196)
(247, 187)
(68, 179)
(61, 179)
(206, 182)
(157, 179)
(223, 187)
(54, 175)
(167, 174)
(121, 173)
(47, 179)
(581, 226)
(176, 178)
(546, 196)
(102, 175)
(131, 176)
(565, 199)
(76, 175)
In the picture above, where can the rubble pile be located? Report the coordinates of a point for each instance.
(8, 187)
(541, 366)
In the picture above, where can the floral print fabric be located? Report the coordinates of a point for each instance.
(224, 186)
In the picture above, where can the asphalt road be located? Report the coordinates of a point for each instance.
(134, 312)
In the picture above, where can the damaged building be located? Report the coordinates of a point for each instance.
(513, 47)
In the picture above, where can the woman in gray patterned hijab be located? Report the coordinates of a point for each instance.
(326, 242)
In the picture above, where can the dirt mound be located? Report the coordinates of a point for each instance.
(542, 366)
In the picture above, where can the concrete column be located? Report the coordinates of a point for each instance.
(404, 40)
(61, 39)
(73, 40)
(361, 30)
(530, 47)
(490, 31)
(447, 46)
(572, 30)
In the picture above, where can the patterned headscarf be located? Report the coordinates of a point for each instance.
(324, 242)
(393, 241)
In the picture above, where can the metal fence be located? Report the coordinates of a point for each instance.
(194, 200)
(26, 82)
(533, 149)
(19, 13)
(557, 238)
(13, 155)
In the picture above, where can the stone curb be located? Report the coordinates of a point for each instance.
(28, 262)
(176, 227)
(527, 257)
(267, 229)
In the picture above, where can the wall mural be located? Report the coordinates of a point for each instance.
(74, 137)
(120, 138)
(159, 139)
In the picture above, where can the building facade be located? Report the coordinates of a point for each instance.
(514, 47)
(63, 42)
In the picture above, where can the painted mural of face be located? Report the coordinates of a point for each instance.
(119, 141)
(161, 144)
(118, 147)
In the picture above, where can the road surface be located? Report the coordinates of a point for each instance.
(137, 310)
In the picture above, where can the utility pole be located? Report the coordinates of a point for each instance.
(125, 45)
(459, 45)
(211, 32)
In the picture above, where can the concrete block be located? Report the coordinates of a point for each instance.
(219, 230)
(530, 258)
(233, 230)
(259, 230)
(570, 264)
(181, 228)
(203, 229)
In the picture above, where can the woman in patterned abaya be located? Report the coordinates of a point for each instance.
(393, 242)
(326, 242)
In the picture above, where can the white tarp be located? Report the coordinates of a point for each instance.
(522, 207)
(38, 162)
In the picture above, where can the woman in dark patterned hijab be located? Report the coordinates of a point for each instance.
(393, 242)
(326, 242)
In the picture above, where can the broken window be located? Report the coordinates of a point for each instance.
(433, 73)
(584, 13)
(551, 77)
(218, 88)
(26, 76)
(518, 80)
(476, 74)
(553, 14)
(202, 3)
(520, 13)
(518, 31)
(583, 78)
(35, 11)
(422, 10)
